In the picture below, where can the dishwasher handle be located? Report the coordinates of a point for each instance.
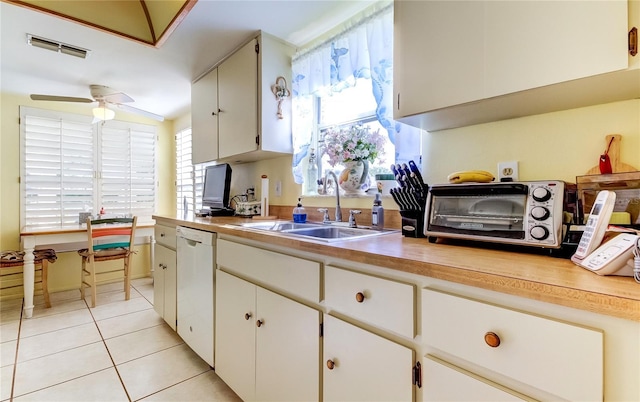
(191, 243)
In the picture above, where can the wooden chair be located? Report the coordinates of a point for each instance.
(113, 241)
(13, 278)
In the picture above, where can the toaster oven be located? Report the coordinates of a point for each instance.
(523, 213)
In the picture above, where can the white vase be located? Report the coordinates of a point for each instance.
(354, 179)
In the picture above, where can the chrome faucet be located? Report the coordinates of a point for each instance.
(352, 217)
(325, 215)
(324, 188)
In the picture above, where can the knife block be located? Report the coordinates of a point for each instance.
(412, 223)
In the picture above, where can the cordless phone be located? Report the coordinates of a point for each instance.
(614, 257)
(596, 224)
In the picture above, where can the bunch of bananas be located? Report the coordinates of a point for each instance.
(475, 176)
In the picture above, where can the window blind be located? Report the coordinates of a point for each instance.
(184, 172)
(127, 169)
(69, 165)
(189, 177)
(58, 177)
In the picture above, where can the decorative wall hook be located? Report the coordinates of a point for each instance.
(281, 92)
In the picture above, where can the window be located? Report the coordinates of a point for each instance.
(189, 177)
(347, 80)
(353, 105)
(70, 165)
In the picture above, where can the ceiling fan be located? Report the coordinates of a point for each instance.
(105, 97)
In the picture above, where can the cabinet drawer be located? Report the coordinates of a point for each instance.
(381, 302)
(559, 358)
(445, 382)
(294, 275)
(165, 235)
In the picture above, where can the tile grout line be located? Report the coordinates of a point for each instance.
(104, 342)
(15, 358)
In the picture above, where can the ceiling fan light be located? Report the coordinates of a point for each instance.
(103, 113)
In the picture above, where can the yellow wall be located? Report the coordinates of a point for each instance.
(65, 273)
(559, 145)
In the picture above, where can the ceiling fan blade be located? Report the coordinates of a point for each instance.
(141, 112)
(101, 92)
(117, 97)
(39, 97)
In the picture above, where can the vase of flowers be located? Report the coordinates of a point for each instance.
(353, 147)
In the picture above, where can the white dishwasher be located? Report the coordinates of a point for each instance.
(196, 284)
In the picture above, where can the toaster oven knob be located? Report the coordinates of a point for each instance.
(539, 232)
(539, 213)
(541, 194)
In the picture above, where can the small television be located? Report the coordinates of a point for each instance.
(217, 183)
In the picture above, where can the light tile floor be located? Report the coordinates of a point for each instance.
(118, 351)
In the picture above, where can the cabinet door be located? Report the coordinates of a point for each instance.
(238, 101)
(445, 382)
(235, 334)
(366, 367)
(287, 349)
(164, 284)
(530, 44)
(438, 54)
(204, 118)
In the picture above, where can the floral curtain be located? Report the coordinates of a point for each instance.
(364, 50)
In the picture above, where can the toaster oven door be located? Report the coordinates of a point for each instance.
(478, 210)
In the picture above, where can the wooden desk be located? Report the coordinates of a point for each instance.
(56, 237)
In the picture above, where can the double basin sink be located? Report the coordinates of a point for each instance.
(318, 231)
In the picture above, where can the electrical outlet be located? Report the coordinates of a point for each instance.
(508, 171)
(278, 189)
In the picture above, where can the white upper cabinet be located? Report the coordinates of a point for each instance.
(458, 63)
(438, 54)
(530, 44)
(238, 101)
(204, 118)
(234, 112)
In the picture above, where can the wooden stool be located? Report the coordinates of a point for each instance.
(42, 258)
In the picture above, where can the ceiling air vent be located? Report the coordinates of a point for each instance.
(57, 46)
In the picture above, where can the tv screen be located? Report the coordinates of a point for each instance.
(217, 182)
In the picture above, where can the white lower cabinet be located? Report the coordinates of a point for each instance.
(548, 357)
(164, 284)
(267, 346)
(445, 382)
(361, 366)
(165, 274)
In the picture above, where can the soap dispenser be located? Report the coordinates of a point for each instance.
(377, 214)
(299, 213)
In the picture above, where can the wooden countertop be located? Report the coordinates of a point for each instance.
(538, 277)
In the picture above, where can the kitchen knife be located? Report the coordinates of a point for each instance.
(396, 198)
(413, 198)
(416, 171)
(397, 175)
(404, 201)
(406, 172)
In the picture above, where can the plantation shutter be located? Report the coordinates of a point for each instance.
(184, 172)
(69, 165)
(189, 177)
(127, 169)
(58, 179)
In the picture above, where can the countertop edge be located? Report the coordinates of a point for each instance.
(535, 277)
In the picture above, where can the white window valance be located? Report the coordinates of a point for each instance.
(364, 49)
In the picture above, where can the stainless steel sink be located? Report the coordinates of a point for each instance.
(336, 233)
(279, 225)
(316, 231)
